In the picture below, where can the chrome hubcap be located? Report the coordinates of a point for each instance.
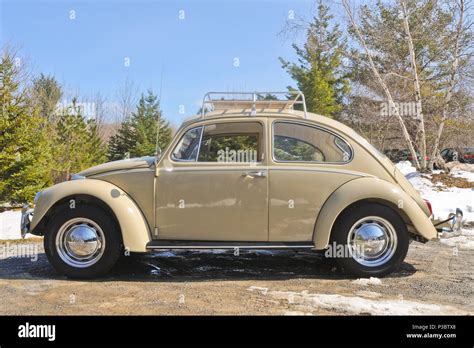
(80, 242)
(372, 241)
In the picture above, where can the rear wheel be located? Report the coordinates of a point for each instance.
(83, 242)
(375, 239)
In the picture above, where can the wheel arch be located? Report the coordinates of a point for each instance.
(79, 199)
(370, 190)
(132, 224)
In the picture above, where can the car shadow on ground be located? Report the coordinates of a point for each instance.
(185, 266)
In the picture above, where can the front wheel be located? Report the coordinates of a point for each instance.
(83, 242)
(374, 237)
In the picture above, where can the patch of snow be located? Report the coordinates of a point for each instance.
(462, 241)
(447, 200)
(444, 200)
(368, 281)
(405, 167)
(258, 289)
(469, 176)
(10, 225)
(357, 305)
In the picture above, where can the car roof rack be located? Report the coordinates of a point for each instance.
(252, 102)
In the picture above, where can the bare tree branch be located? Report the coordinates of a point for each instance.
(416, 82)
(452, 78)
(382, 83)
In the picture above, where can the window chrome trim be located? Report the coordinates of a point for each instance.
(173, 158)
(307, 124)
(212, 121)
(340, 147)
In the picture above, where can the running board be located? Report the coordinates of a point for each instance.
(178, 244)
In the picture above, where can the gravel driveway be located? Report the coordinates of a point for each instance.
(435, 279)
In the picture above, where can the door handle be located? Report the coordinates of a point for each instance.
(255, 174)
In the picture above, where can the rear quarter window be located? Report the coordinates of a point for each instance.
(295, 142)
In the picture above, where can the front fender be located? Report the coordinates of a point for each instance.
(374, 189)
(135, 231)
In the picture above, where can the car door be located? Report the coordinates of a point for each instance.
(212, 186)
(307, 165)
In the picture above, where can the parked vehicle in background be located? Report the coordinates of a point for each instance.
(460, 154)
(397, 155)
(394, 155)
(418, 156)
(403, 155)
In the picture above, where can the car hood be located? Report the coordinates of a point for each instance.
(132, 163)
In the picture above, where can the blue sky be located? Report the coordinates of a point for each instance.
(195, 54)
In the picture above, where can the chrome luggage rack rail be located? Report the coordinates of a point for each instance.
(252, 102)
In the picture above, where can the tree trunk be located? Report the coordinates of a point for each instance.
(383, 85)
(452, 80)
(418, 108)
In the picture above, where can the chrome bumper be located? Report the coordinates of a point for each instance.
(452, 224)
(26, 215)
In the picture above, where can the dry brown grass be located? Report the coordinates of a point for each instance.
(451, 181)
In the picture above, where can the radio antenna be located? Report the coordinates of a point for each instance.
(157, 145)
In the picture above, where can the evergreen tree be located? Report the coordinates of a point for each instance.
(319, 73)
(137, 135)
(46, 93)
(77, 143)
(24, 143)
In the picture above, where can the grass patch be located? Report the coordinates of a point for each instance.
(451, 181)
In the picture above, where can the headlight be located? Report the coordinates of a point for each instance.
(37, 196)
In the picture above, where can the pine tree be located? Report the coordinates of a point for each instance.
(77, 143)
(319, 73)
(45, 94)
(137, 135)
(24, 143)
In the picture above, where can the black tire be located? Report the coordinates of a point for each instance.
(113, 241)
(346, 221)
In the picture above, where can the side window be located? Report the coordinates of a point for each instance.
(187, 148)
(236, 142)
(296, 142)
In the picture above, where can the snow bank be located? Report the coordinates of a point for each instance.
(10, 225)
(405, 167)
(305, 301)
(444, 200)
(463, 174)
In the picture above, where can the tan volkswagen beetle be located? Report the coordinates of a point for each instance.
(246, 173)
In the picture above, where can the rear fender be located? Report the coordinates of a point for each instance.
(374, 190)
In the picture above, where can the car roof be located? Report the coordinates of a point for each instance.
(293, 115)
(290, 115)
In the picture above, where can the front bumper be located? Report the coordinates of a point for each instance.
(26, 216)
